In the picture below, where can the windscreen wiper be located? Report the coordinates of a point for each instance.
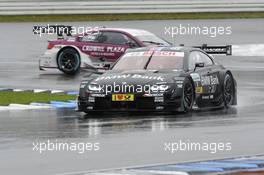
(152, 42)
(145, 67)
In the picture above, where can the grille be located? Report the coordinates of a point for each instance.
(139, 104)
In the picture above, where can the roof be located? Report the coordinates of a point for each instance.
(133, 32)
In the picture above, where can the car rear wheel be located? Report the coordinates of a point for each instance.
(228, 90)
(188, 95)
(69, 61)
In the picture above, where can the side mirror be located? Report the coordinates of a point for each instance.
(198, 65)
(131, 44)
(80, 38)
(107, 66)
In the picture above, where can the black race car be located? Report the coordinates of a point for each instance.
(161, 79)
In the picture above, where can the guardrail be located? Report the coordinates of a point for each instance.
(133, 6)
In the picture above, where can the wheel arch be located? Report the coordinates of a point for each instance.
(222, 76)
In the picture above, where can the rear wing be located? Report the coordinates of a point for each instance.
(60, 30)
(224, 49)
(227, 49)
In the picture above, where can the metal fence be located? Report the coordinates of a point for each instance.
(126, 6)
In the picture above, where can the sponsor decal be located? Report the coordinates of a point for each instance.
(115, 49)
(159, 99)
(159, 107)
(82, 85)
(134, 76)
(90, 107)
(58, 46)
(179, 83)
(91, 37)
(97, 95)
(195, 77)
(215, 50)
(71, 39)
(209, 80)
(91, 99)
(109, 49)
(156, 53)
(148, 77)
(153, 95)
(169, 53)
(207, 97)
(135, 54)
(176, 48)
(205, 80)
(93, 48)
(214, 80)
(199, 90)
(101, 54)
(212, 89)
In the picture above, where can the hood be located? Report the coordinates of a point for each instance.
(136, 77)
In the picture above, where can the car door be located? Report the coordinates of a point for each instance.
(90, 45)
(206, 78)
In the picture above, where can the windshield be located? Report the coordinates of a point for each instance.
(166, 60)
(149, 60)
(132, 61)
(152, 39)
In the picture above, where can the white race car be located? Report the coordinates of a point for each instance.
(95, 49)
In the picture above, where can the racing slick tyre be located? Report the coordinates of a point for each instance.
(188, 95)
(228, 90)
(69, 61)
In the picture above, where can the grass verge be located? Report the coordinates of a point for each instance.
(8, 97)
(117, 17)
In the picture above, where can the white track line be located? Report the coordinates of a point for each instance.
(18, 90)
(40, 90)
(157, 172)
(57, 91)
(23, 107)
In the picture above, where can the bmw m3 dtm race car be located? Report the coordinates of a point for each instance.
(161, 79)
(94, 49)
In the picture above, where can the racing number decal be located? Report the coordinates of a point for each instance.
(123, 97)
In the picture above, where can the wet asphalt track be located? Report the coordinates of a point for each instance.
(125, 140)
